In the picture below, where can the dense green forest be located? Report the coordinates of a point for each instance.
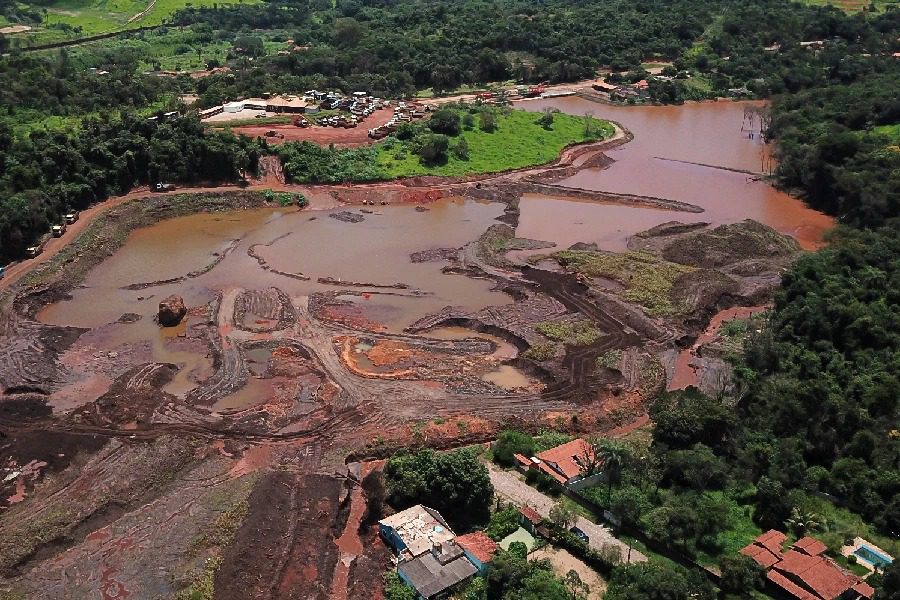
(829, 149)
(45, 175)
(820, 405)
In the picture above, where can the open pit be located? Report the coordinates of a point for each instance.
(454, 309)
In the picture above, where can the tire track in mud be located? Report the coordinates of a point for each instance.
(581, 361)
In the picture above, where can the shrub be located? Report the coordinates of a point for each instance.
(502, 523)
(487, 121)
(433, 149)
(445, 121)
(511, 442)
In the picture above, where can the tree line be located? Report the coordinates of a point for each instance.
(46, 174)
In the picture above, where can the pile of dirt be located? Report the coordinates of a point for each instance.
(347, 217)
(263, 310)
(434, 255)
(696, 290)
(724, 245)
(133, 398)
(499, 239)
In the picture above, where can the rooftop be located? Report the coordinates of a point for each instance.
(564, 462)
(818, 573)
(429, 577)
(802, 571)
(420, 528)
(287, 101)
(530, 514)
(810, 546)
(478, 545)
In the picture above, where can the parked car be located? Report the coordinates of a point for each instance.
(58, 230)
(580, 535)
(71, 217)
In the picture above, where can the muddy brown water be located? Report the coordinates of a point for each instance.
(508, 378)
(658, 162)
(374, 251)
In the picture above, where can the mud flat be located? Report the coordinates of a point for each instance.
(138, 458)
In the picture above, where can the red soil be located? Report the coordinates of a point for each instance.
(346, 138)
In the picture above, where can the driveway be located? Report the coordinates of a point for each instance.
(508, 485)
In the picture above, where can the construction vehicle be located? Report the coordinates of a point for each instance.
(71, 217)
(58, 230)
(163, 187)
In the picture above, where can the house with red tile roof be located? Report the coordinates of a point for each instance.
(478, 548)
(565, 463)
(802, 572)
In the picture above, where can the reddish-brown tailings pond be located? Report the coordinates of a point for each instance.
(680, 153)
(262, 246)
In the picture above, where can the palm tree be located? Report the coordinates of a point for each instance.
(801, 522)
(612, 455)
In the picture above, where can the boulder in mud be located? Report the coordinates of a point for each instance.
(171, 311)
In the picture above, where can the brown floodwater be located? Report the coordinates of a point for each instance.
(692, 153)
(687, 153)
(508, 378)
(309, 243)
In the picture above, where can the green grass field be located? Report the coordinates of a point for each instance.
(518, 142)
(92, 17)
(892, 131)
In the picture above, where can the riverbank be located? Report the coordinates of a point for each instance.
(515, 141)
(474, 141)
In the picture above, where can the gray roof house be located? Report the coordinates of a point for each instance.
(431, 562)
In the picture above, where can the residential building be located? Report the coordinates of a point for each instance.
(479, 549)
(415, 531)
(530, 520)
(436, 574)
(431, 561)
(803, 572)
(566, 463)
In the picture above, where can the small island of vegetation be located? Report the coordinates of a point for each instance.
(457, 140)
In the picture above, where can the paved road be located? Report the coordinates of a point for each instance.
(508, 485)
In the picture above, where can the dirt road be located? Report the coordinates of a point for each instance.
(509, 485)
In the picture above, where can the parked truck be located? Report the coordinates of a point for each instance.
(33, 251)
(71, 217)
(58, 230)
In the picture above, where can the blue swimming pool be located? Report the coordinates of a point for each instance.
(873, 556)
